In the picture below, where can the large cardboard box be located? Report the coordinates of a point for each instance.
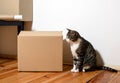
(40, 51)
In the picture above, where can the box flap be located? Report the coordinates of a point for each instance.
(40, 33)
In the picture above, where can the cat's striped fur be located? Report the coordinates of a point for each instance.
(84, 54)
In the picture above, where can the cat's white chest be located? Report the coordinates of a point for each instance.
(74, 47)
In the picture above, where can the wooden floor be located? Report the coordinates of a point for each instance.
(9, 74)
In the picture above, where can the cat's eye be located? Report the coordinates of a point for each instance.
(73, 33)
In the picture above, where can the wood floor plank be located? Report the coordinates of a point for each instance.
(9, 65)
(10, 74)
(31, 77)
(75, 77)
(25, 77)
(52, 75)
(115, 78)
(86, 76)
(22, 77)
(104, 77)
(3, 60)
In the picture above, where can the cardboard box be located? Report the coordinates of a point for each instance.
(17, 7)
(40, 51)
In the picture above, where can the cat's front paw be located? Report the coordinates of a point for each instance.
(72, 70)
(83, 70)
(75, 70)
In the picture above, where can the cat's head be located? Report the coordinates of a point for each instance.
(72, 35)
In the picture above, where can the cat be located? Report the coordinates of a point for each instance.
(84, 54)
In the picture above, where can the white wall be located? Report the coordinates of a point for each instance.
(96, 20)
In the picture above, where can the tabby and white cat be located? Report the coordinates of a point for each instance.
(84, 54)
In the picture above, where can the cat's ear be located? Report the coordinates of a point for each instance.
(68, 29)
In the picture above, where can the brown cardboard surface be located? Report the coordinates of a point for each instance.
(9, 7)
(26, 9)
(67, 55)
(41, 33)
(8, 41)
(17, 7)
(40, 51)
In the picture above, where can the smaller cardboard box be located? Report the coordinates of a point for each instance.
(40, 51)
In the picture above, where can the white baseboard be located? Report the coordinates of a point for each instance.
(113, 66)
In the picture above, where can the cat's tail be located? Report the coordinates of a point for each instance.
(106, 68)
